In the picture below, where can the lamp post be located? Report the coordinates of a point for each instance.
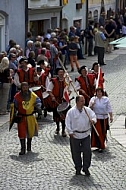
(61, 14)
(117, 7)
(26, 17)
(86, 25)
(102, 6)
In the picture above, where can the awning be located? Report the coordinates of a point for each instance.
(119, 41)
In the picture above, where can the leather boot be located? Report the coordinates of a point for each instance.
(57, 129)
(29, 144)
(23, 147)
(63, 129)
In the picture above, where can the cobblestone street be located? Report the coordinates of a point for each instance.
(49, 166)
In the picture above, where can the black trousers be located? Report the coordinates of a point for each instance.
(79, 146)
(100, 52)
(90, 46)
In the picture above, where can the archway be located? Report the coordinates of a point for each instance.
(96, 16)
(2, 32)
(64, 23)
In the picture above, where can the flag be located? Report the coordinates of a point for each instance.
(100, 80)
(66, 94)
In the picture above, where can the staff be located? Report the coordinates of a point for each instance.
(77, 95)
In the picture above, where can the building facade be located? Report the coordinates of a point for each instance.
(75, 10)
(12, 22)
(96, 7)
(44, 14)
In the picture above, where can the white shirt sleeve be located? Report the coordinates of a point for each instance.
(68, 122)
(77, 85)
(109, 107)
(47, 82)
(50, 87)
(91, 114)
(16, 80)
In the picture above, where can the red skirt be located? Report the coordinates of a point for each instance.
(101, 127)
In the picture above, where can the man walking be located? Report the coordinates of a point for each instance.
(78, 124)
(25, 102)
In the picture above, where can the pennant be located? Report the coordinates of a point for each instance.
(100, 80)
(66, 94)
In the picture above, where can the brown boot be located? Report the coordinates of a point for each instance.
(23, 147)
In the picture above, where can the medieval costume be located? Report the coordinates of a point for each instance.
(24, 104)
(25, 74)
(100, 104)
(56, 89)
(85, 84)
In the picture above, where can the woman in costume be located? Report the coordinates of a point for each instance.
(100, 104)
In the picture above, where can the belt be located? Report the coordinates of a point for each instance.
(80, 131)
(25, 114)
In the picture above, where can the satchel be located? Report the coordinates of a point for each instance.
(17, 119)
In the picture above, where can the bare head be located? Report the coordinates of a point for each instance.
(80, 101)
(24, 87)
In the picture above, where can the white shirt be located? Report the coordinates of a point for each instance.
(123, 29)
(101, 106)
(79, 121)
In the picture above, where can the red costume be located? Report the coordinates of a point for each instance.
(26, 76)
(28, 125)
(87, 86)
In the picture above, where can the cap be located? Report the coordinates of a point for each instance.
(59, 69)
(81, 68)
(24, 84)
(95, 63)
(23, 59)
(40, 62)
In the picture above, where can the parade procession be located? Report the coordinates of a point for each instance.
(39, 89)
(62, 94)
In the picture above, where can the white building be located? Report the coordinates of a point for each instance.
(12, 22)
(44, 14)
(75, 10)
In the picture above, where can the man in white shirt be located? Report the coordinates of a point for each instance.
(78, 124)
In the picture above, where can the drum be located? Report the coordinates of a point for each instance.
(49, 105)
(63, 108)
(37, 90)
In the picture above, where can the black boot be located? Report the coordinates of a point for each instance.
(23, 147)
(57, 129)
(45, 112)
(29, 144)
(63, 129)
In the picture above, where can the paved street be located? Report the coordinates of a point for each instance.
(49, 166)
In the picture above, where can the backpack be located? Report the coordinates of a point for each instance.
(86, 32)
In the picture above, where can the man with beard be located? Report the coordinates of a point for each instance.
(25, 102)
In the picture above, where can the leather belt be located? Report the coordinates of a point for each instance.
(80, 131)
